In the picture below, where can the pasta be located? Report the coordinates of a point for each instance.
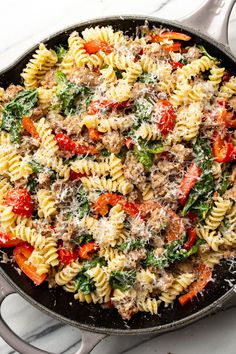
(41, 62)
(118, 185)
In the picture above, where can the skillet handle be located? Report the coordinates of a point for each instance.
(212, 18)
(89, 340)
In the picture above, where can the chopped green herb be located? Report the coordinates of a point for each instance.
(119, 74)
(82, 199)
(84, 283)
(146, 158)
(32, 185)
(122, 280)
(84, 238)
(92, 263)
(60, 52)
(147, 78)
(142, 109)
(131, 245)
(225, 183)
(153, 147)
(36, 167)
(123, 152)
(184, 61)
(105, 153)
(14, 111)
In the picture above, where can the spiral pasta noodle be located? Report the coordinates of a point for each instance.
(47, 203)
(68, 273)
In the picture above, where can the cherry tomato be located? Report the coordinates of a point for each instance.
(95, 45)
(67, 255)
(21, 201)
(66, 143)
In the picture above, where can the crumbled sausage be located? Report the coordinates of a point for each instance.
(158, 220)
(133, 258)
(49, 79)
(11, 92)
(193, 54)
(181, 153)
(44, 179)
(113, 141)
(134, 172)
(84, 76)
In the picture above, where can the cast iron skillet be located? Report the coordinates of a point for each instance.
(95, 322)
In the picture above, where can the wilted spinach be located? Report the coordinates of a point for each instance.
(122, 280)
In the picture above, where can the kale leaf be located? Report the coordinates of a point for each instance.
(173, 252)
(14, 111)
(204, 188)
(68, 94)
(122, 280)
(92, 263)
(82, 199)
(204, 52)
(84, 238)
(131, 245)
(84, 283)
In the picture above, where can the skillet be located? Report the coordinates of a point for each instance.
(212, 18)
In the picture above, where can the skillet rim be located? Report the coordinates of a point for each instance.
(208, 309)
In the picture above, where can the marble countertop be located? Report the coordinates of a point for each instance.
(22, 24)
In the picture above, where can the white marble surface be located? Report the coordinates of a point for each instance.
(22, 24)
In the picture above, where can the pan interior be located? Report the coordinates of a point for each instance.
(61, 304)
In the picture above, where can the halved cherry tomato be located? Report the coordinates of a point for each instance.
(67, 255)
(94, 134)
(222, 147)
(172, 47)
(171, 35)
(188, 182)
(21, 201)
(101, 205)
(191, 239)
(76, 175)
(86, 249)
(95, 45)
(166, 116)
(129, 143)
(7, 240)
(204, 276)
(29, 126)
(65, 143)
(22, 253)
(176, 64)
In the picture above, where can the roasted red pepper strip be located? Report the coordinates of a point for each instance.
(223, 149)
(29, 126)
(165, 116)
(191, 239)
(67, 255)
(129, 143)
(94, 134)
(76, 175)
(204, 276)
(176, 64)
(65, 143)
(101, 205)
(172, 47)
(95, 45)
(188, 182)
(21, 201)
(171, 35)
(22, 253)
(86, 249)
(228, 119)
(7, 240)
